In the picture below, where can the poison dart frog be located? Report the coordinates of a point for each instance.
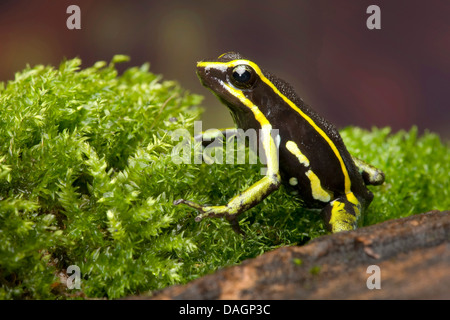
(307, 154)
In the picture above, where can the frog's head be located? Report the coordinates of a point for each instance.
(245, 88)
(230, 77)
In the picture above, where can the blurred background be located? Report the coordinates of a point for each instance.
(398, 76)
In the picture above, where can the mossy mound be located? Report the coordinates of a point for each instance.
(87, 180)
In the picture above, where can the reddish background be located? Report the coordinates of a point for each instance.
(398, 76)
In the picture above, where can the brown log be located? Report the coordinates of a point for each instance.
(413, 255)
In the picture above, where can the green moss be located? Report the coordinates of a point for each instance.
(417, 170)
(87, 179)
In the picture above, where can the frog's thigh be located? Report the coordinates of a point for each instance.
(342, 214)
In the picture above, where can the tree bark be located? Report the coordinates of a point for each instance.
(412, 254)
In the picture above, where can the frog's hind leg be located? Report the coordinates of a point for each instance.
(342, 214)
(371, 175)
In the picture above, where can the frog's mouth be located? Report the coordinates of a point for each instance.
(209, 76)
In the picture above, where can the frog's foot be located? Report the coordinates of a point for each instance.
(213, 212)
(342, 214)
(370, 174)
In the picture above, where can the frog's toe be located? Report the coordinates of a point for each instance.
(232, 219)
(178, 201)
(375, 178)
(213, 212)
(190, 204)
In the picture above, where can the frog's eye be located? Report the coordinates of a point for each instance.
(243, 76)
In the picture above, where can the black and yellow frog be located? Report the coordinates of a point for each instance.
(307, 154)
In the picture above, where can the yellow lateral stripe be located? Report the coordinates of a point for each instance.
(267, 140)
(291, 104)
(351, 197)
(260, 117)
(293, 148)
(318, 192)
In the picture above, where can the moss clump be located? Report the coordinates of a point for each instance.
(417, 171)
(84, 180)
(87, 179)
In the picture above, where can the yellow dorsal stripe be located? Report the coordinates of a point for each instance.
(293, 148)
(255, 67)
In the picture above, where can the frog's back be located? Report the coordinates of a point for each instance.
(312, 152)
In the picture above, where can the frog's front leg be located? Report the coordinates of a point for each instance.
(206, 137)
(240, 203)
(342, 214)
(251, 196)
